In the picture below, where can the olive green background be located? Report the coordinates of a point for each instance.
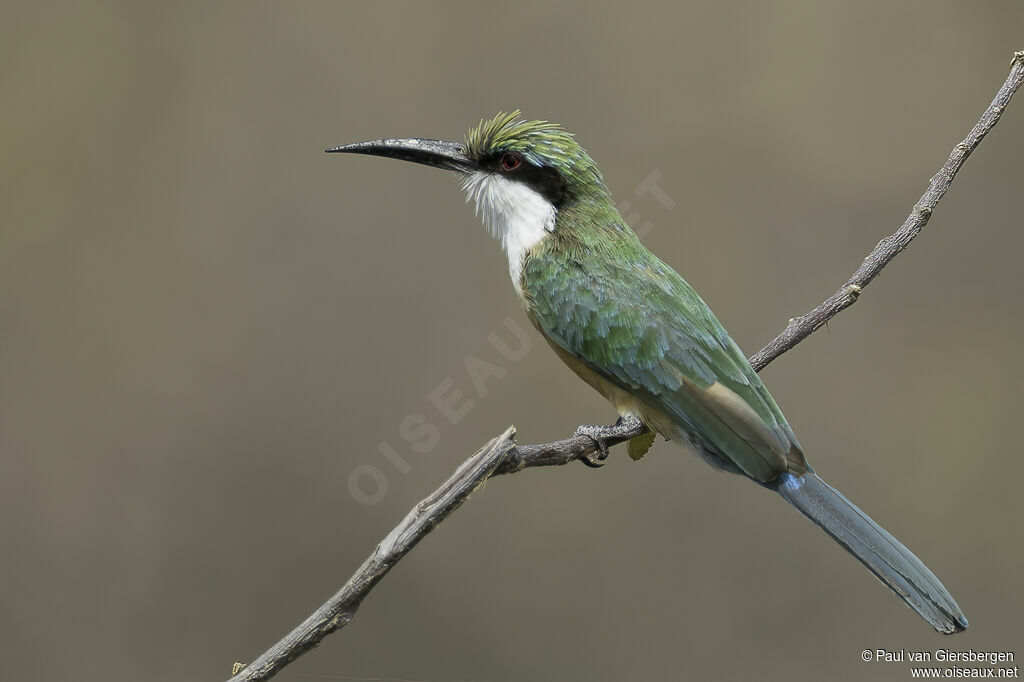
(207, 324)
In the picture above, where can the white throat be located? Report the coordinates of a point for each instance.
(518, 216)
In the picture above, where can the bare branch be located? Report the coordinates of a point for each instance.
(502, 456)
(801, 327)
(339, 609)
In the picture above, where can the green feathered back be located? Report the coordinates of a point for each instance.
(598, 294)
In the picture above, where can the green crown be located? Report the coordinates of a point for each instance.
(542, 143)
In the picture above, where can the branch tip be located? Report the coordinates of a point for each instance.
(889, 247)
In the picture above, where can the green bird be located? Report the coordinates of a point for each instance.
(632, 328)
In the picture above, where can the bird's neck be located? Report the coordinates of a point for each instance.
(520, 218)
(515, 214)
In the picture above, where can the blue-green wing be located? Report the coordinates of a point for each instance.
(635, 322)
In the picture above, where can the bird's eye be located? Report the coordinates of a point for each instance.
(510, 162)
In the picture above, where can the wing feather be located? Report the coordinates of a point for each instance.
(638, 324)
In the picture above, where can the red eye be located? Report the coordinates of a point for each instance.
(510, 162)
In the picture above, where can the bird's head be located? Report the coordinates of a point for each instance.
(538, 155)
(518, 173)
(501, 156)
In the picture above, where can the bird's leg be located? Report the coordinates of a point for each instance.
(624, 427)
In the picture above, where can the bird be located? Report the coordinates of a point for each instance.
(633, 329)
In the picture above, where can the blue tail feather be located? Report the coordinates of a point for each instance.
(893, 564)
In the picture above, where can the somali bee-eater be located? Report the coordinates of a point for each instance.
(634, 330)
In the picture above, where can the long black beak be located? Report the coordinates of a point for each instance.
(437, 153)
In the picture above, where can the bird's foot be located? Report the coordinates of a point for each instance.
(625, 427)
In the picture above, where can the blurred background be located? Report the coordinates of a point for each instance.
(215, 336)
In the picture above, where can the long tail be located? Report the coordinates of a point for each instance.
(894, 564)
